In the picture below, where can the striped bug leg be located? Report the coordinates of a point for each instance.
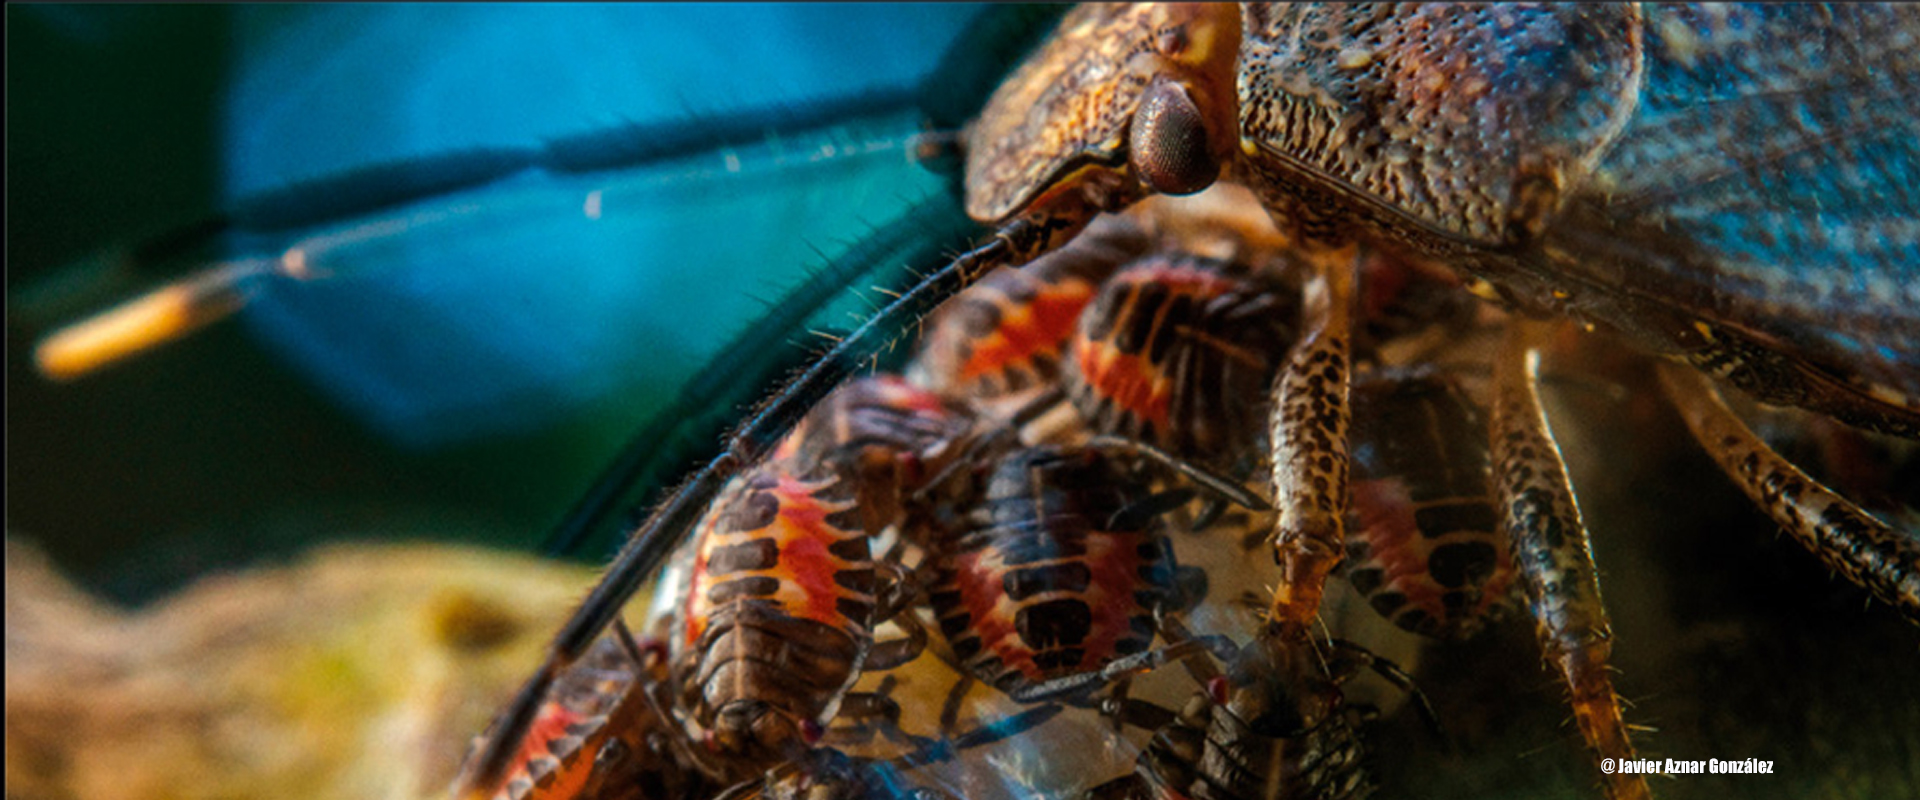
(1309, 438)
(1067, 686)
(864, 714)
(1552, 553)
(1844, 536)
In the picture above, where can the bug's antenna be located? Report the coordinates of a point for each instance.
(163, 315)
(752, 358)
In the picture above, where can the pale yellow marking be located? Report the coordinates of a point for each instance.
(144, 323)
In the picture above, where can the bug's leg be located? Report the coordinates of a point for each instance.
(1069, 685)
(757, 787)
(1143, 714)
(1309, 435)
(1846, 538)
(899, 592)
(1202, 669)
(1551, 551)
(888, 655)
(869, 713)
(950, 710)
(1354, 656)
(1220, 486)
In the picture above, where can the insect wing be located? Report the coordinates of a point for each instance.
(538, 289)
(1766, 181)
(555, 291)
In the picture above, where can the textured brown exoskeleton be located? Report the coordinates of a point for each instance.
(1563, 157)
(1730, 187)
(1274, 726)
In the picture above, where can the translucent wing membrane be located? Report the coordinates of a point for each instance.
(434, 341)
(1768, 174)
(707, 404)
(605, 164)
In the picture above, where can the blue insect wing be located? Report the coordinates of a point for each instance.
(1770, 174)
(320, 90)
(508, 305)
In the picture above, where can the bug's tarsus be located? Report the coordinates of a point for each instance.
(1393, 674)
(1219, 485)
(1140, 513)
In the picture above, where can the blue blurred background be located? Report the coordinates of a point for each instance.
(472, 358)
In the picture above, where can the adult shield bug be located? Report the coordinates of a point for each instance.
(1504, 143)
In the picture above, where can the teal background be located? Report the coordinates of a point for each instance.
(461, 382)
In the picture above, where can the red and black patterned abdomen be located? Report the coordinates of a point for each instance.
(1052, 579)
(1425, 545)
(885, 437)
(1176, 350)
(596, 736)
(779, 612)
(782, 593)
(1008, 333)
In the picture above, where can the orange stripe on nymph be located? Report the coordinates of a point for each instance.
(549, 725)
(807, 567)
(1129, 381)
(1385, 513)
(1040, 326)
(1115, 563)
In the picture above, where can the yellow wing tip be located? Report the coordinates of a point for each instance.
(142, 324)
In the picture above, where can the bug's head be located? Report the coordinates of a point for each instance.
(1280, 687)
(757, 729)
(1123, 101)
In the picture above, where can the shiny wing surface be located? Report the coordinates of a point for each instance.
(1767, 181)
(557, 273)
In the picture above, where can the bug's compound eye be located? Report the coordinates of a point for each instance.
(1169, 143)
(1058, 138)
